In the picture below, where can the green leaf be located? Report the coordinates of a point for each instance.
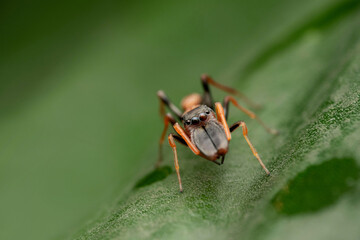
(80, 123)
(311, 89)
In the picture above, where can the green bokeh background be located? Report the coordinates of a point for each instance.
(79, 117)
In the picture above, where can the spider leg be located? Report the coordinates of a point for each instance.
(221, 118)
(222, 159)
(176, 161)
(252, 115)
(168, 118)
(206, 80)
(186, 139)
(245, 133)
(164, 100)
(207, 97)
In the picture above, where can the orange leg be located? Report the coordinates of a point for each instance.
(188, 142)
(208, 80)
(245, 133)
(252, 115)
(176, 162)
(183, 134)
(167, 118)
(221, 118)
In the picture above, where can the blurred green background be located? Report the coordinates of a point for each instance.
(79, 116)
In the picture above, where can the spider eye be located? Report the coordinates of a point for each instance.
(195, 121)
(188, 122)
(202, 116)
(207, 112)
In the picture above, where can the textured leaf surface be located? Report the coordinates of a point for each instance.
(310, 88)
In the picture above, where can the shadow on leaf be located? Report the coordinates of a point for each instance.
(317, 187)
(157, 175)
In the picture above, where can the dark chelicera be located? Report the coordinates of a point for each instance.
(211, 140)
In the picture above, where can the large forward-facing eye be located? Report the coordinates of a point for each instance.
(202, 116)
(195, 121)
(187, 122)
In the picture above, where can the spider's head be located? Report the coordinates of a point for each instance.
(198, 116)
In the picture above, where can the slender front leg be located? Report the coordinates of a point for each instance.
(183, 134)
(164, 100)
(221, 118)
(245, 133)
(176, 162)
(206, 79)
(252, 115)
(167, 118)
(188, 142)
(207, 97)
